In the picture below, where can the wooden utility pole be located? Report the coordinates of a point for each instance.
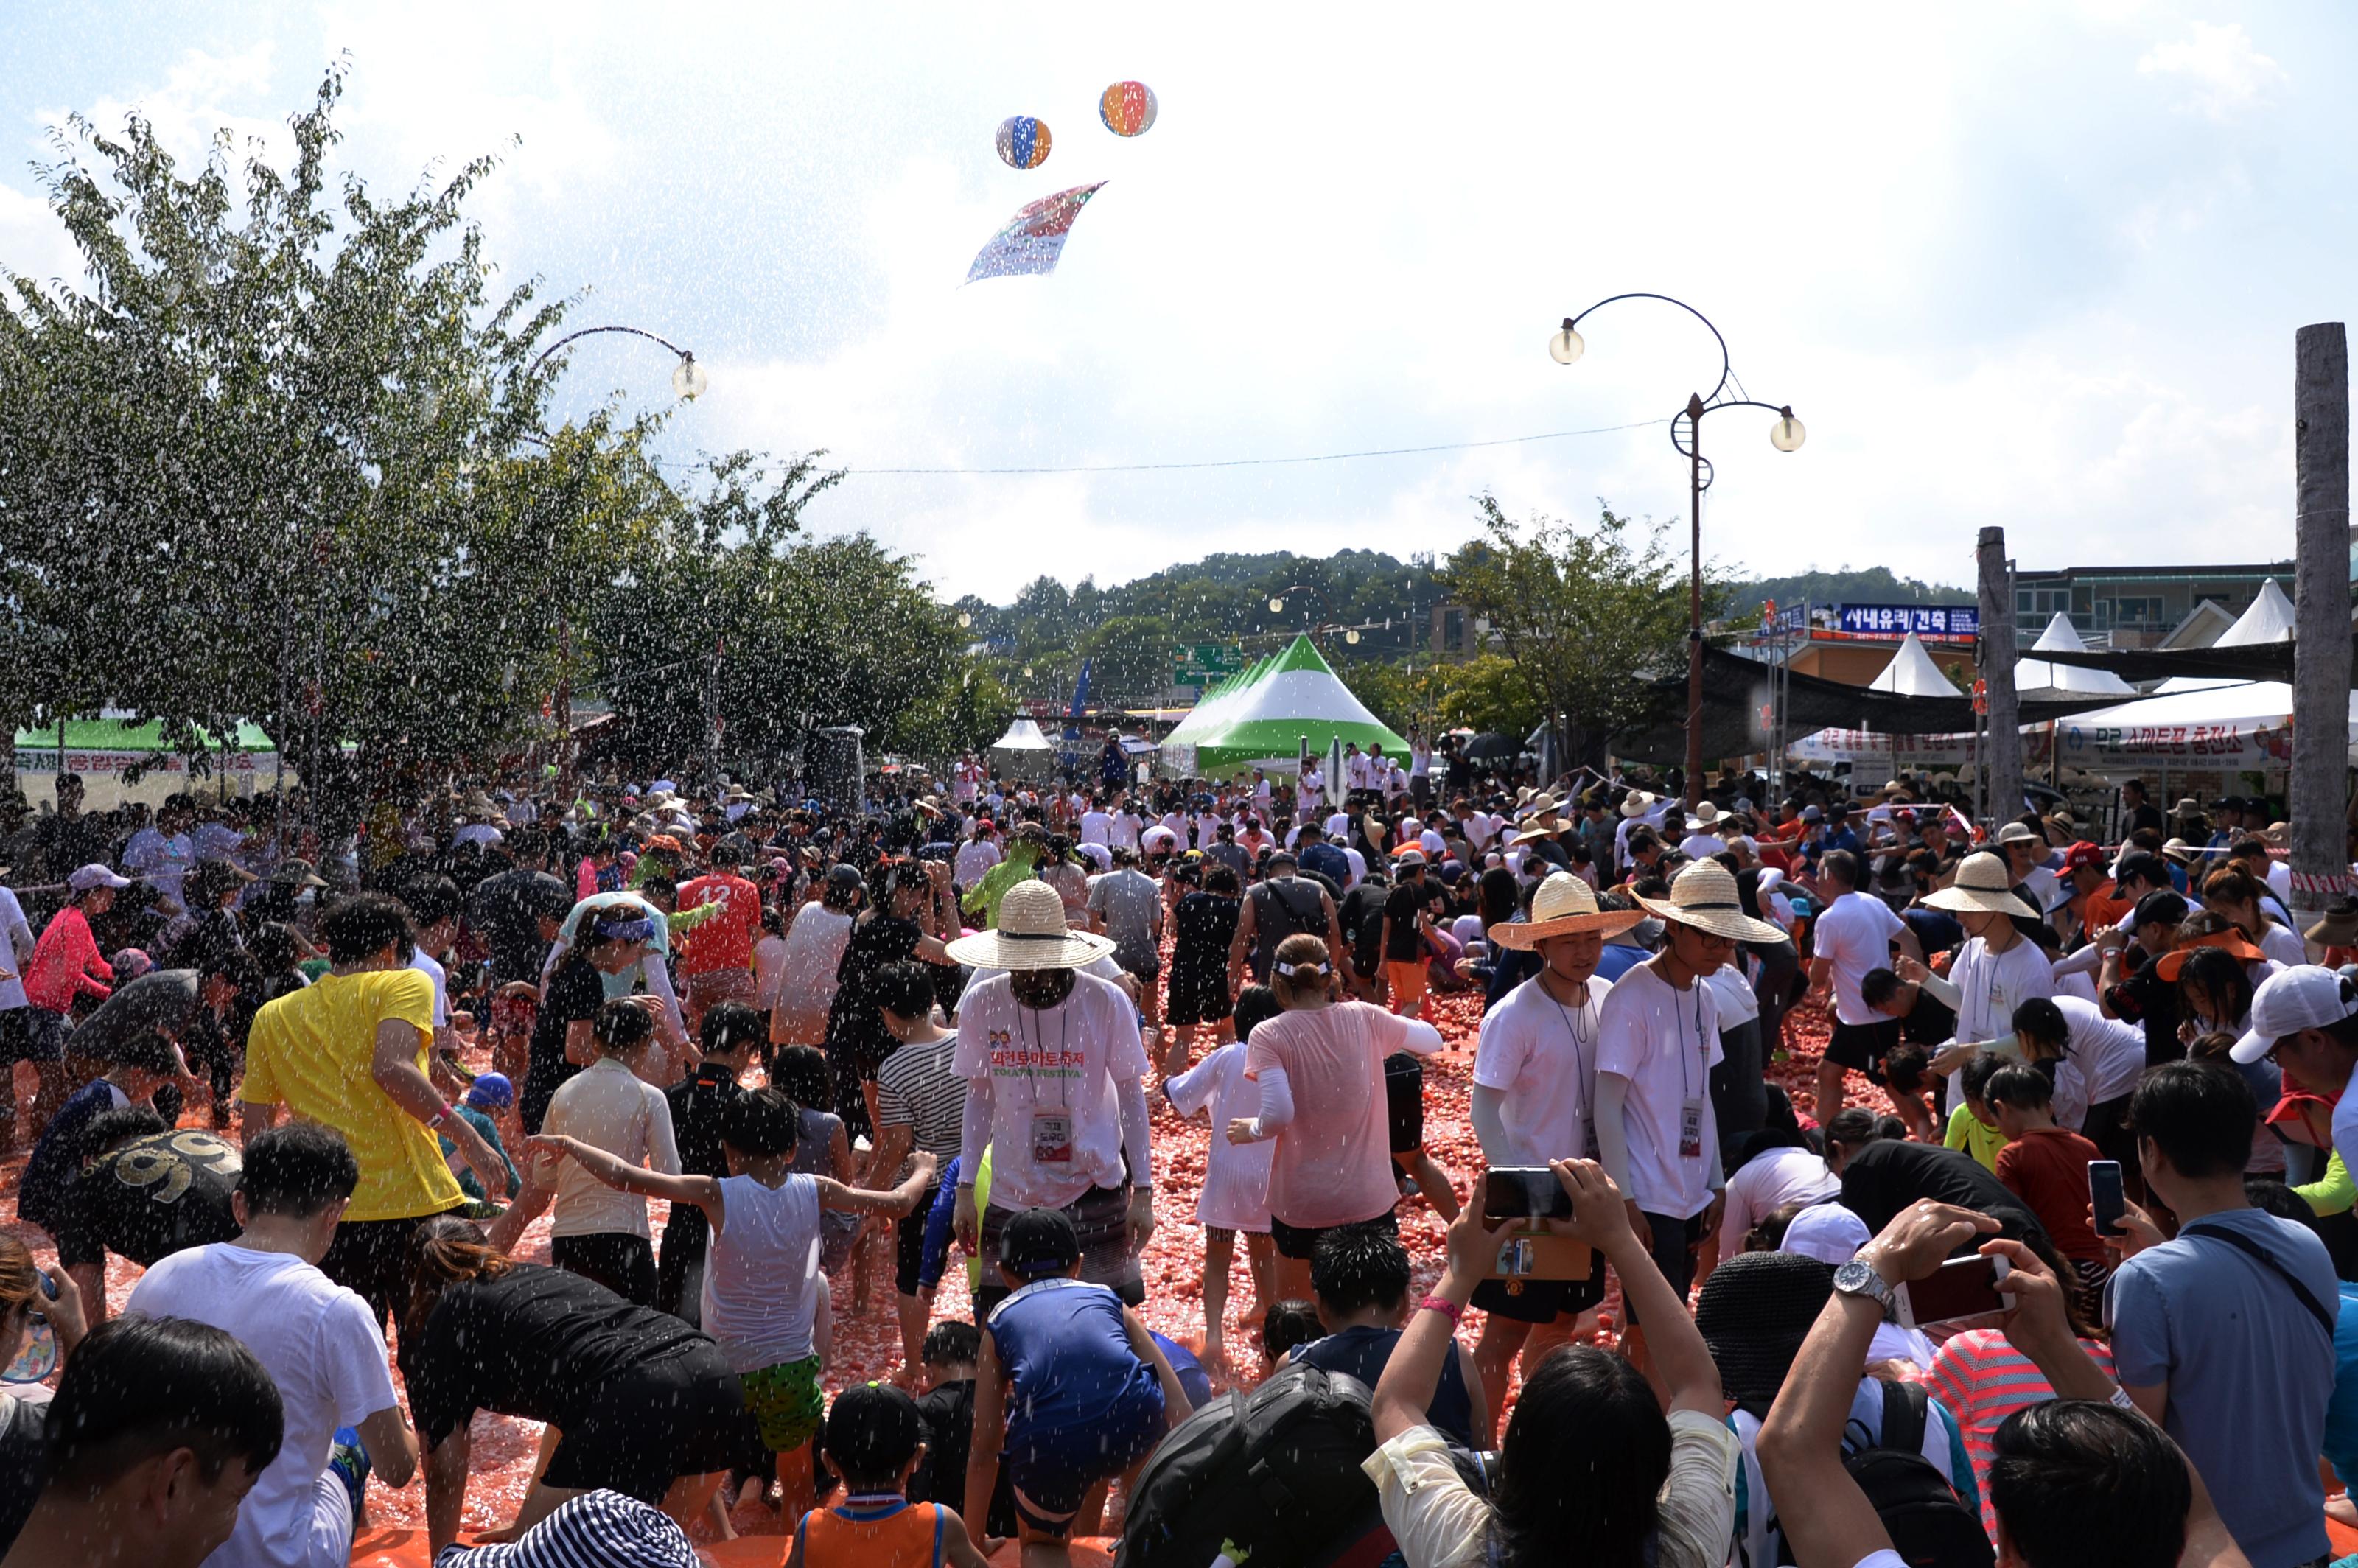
(1997, 675)
(2320, 675)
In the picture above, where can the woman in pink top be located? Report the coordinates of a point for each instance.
(66, 964)
(1320, 1065)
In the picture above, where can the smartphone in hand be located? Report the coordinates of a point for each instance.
(1960, 1289)
(1525, 1193)
(2107, 1196)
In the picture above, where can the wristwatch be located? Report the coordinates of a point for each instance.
(1859, 1278)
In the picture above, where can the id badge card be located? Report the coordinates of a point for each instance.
(1590, 1149)
(1691, 1130)
(1052, 1137)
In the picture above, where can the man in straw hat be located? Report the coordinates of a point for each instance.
(1657, 1039)
(1998, 969)
(1054, 1071)
(1535, 1099)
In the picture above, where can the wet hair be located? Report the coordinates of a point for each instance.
(1979, 1069)
(1222, 880)
(430, 899)
(2199, 1115)
(1585, 1457)
(1853, 1127)
(1878, 987)
(905, 990)
(1905, 1066)
(298, 1171)
(2085, 1485)
(448, 1251)
(730, 1027)
(1355, 1266)
(139, 1387)
(2024, 1089)
(1286, 1324)
(763, 1122)
(1256, 1005)
(112, 1129)
(20, 1279)
(621, 1025)
(952, 1344)
(804, 1073)
(872, 1432)
(1315, 968)
(363, 925)
(149, 1051)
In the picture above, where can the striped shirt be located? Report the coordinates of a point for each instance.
(916, 1090)
(1981, 1379)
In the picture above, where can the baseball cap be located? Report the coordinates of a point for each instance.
(2083, 854)
(1812, 814)
(2167, 908)
(85, 878)
(492, 1089)
(1827, 1232)
(2307, 996)
(1407, 858)
(1039, 1242)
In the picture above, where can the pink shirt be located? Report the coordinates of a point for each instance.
(1334, 1161)
(1982, 1379)
(63, 961)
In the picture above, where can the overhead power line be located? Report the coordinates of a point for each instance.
(1273, 463)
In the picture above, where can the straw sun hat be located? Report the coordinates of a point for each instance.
(1563, 906)
(1984, 884)
(1637, 803)
(1031, 935)
(1704, 897)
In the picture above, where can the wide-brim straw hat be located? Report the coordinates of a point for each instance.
(1535, 832)
(2184, 853)
(1704, 897)
(1031, 935)
(1637, 803)
(1707, 816)
(2018, 833)
(1563, 906)
(1983, 883)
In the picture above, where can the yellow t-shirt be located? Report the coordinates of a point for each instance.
(1967, 1133)
(311, 1050)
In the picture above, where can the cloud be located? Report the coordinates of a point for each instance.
(2220, 71)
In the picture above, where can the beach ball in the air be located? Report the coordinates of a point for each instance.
(1022, 142)
(1126, 108)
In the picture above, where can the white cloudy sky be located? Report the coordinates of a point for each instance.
(2037, 264)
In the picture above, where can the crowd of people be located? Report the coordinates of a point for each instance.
(2079, 1298)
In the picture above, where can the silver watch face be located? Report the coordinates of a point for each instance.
(1858, 1278)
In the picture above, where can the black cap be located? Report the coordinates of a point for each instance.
(550, 896)
(2167, 908)
(844, 874)
(872, 1429)
(1039, 1242)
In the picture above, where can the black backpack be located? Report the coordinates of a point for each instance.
(1928, 1526)
(1275, 1470)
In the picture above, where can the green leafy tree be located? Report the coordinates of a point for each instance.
(1589, 618)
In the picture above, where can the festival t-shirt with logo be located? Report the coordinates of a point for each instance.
(1056, 1126)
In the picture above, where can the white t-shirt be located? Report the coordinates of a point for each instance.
(481, 833)
(1991, 986)
(1701, 846)
(321, 1345)
(975, 859)
(1355, 767)
(1855, 935)
(425, 964)
(1737, 1003)
(1236, 1176)
(2285, 946)
(1541, 1054)
(2103, 1058)
(1038, 1066)
(609, 1107)
(769, 969)
(1665, 1042)
(1766, 1183)
(1096, 826)
(17, 941)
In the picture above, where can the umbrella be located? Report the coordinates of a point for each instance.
(1493, 747)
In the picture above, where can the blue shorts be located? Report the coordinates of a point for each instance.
(1053, 1463)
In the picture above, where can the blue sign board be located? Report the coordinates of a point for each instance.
(1899, 620)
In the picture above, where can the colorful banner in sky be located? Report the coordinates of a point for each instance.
(1899, 620)
(1034, 237)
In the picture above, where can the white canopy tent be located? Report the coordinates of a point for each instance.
(1912, 672)
(2269, 619)
(2061, 637)
(1023, 751)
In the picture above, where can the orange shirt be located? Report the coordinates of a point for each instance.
(874, 1532)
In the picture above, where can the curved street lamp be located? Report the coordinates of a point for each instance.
(1277, 607)
(688, 380)
(1786, 435)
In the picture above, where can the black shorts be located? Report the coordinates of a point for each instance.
(1102, 1216)
(623, 1263)
(1861, 1047)
(1541, 1301)
(1404, 1099)
(372, 1258)
(1673, 1243)
(1198, 995)
(909, 1239)
(684, 1415)
(1297, 1243)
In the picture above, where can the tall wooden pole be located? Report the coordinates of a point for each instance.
(1997, 675)
(1695, 600)
(2321, 677)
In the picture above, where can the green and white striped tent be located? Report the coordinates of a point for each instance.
(1261, 718)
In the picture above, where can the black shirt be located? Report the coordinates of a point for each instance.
(1363, 924)
(697, 1106)
(1930, 1021)
(149, 1198)
(1206, 923)
(21, 1440)
(537, 1342)
(1406, 902)
(506, 910)
(575, 994)
(2142, 818)
(948, 1414)
(1884, 1178)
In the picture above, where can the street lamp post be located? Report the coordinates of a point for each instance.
(688, 381)
(1786, 435)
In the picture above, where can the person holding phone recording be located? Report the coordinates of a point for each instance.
(1535, 1099)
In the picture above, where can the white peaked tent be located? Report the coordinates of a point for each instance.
(1912, 672)
(1261, 717)
(1023, 749)
(2269, 619)
(2061, 637)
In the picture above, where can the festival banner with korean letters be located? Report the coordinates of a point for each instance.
(1930, 622)
(2230, 745)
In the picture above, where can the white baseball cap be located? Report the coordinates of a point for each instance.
(94, 875)
(2307, 996)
